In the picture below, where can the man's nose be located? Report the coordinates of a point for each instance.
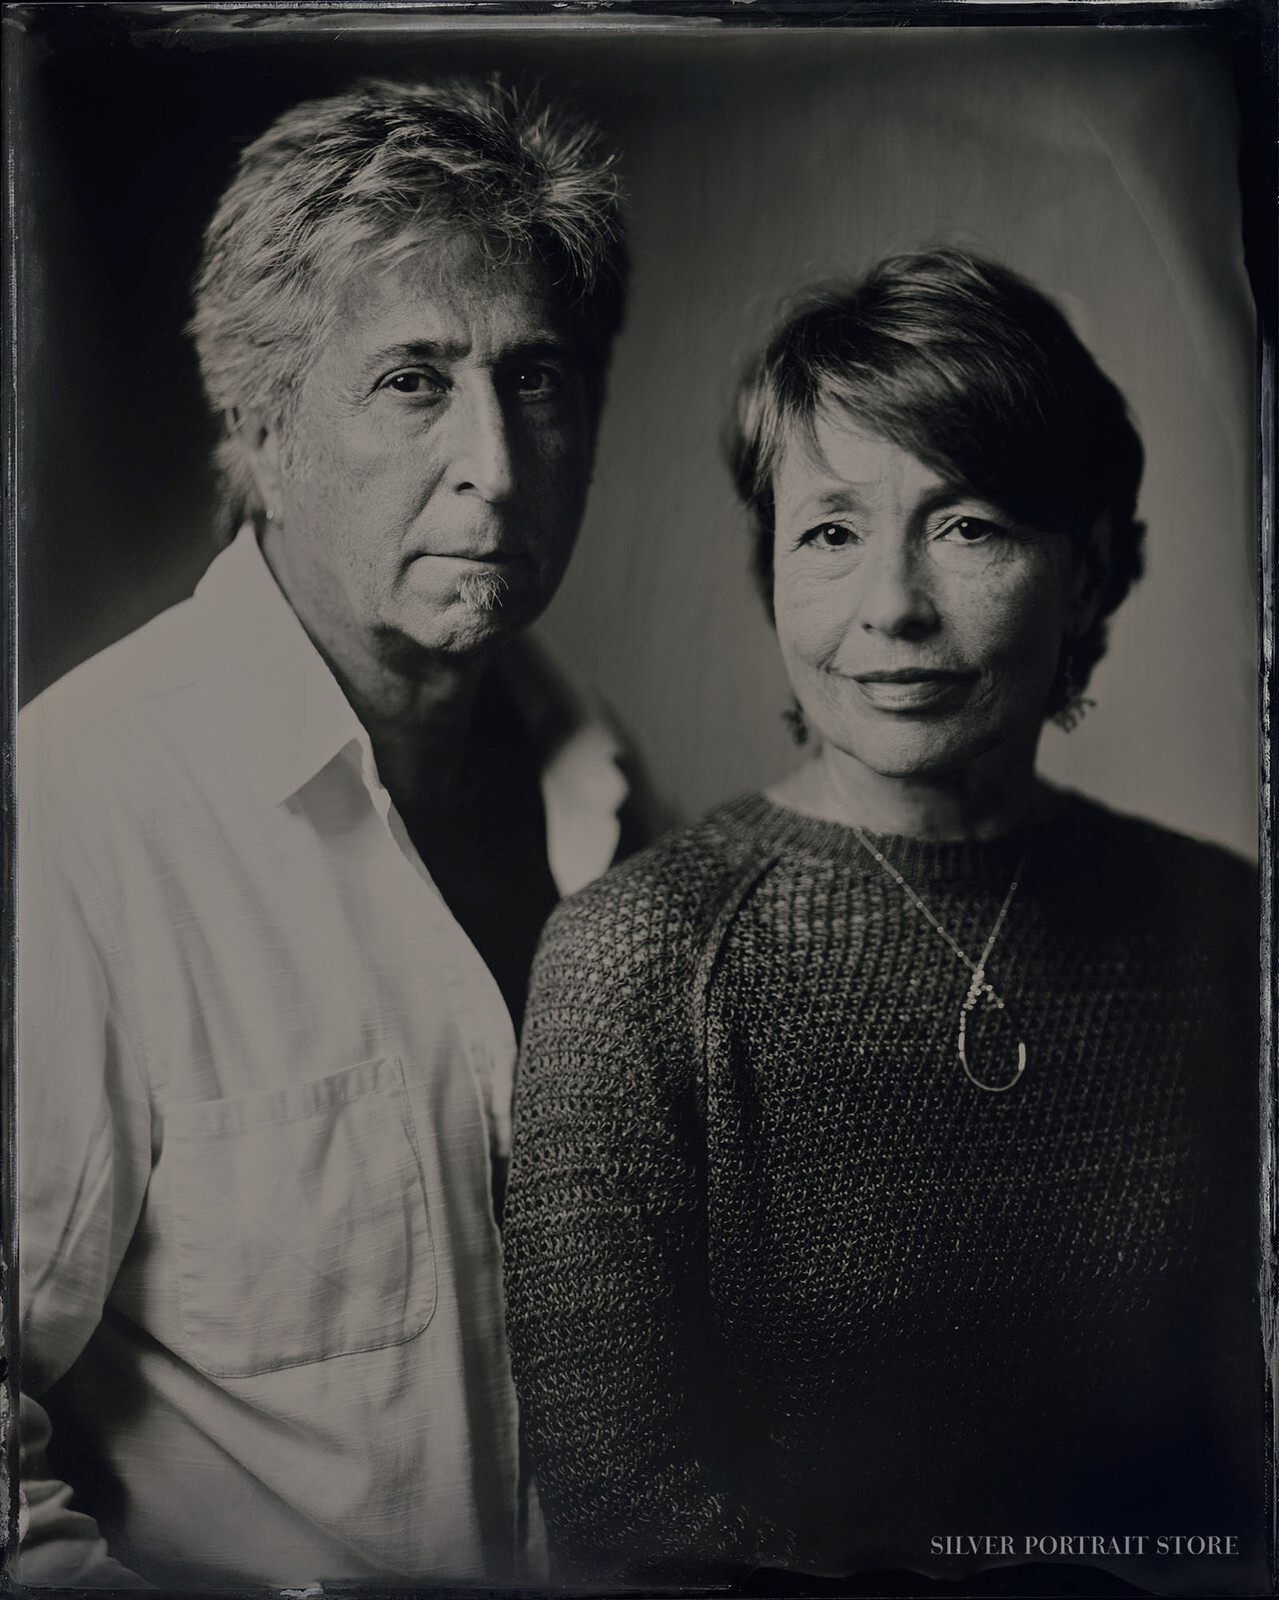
(481, 458)
(896, 596)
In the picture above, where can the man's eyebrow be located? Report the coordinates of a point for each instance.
(411, 350)
(542, 346)
(545, 346)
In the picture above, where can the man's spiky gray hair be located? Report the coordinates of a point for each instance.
(334, 181)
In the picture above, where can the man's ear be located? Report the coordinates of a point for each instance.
(260, 442)
(1092, 571)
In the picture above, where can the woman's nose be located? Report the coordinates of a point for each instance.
(481, 458)
(896, 597)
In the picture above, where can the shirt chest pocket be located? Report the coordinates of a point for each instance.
(300, 1222)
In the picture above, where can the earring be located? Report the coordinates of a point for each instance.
(270, 516)
(1076, 706)
(793, 717)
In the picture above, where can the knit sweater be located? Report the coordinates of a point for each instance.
(787, 1289)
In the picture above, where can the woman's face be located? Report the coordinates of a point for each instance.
(920, 625)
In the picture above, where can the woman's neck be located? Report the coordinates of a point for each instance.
(993, 796)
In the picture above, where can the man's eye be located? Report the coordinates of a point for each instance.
(537, 382)
(412, 382)
(829, 536)
(970, 530)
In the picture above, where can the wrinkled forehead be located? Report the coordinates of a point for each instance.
(838, 434)
(433, 275)
(951, 436)
(445, 265)
(840, 456)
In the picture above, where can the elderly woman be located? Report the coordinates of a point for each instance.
(884, 1141)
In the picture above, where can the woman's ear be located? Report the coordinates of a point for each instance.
(1092, 572)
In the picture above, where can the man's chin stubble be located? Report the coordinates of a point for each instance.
(482, 591)
(483, 610)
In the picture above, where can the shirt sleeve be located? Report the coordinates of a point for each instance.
(58, 1545)
(612, 1342)
(84, 1157)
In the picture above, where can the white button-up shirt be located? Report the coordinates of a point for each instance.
(262, 1076)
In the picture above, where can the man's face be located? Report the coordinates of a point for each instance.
(427, 489)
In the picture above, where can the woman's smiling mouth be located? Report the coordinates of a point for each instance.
(911, 688)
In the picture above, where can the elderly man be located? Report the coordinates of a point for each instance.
(286, 851)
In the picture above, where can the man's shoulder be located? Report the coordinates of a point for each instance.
(105, 724)
(155, 659)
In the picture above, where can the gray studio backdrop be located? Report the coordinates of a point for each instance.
(1100, 162)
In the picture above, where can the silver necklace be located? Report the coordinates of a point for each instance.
(979, 991)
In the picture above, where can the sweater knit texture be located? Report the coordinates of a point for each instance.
(786, 1289)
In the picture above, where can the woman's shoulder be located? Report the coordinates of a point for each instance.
(623, 955)
(668, 891)
(1138, 857)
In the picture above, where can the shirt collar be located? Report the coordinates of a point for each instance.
(291, 718)
(583, 786)
(289, 715)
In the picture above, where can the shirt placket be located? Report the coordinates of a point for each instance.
(484, 1028)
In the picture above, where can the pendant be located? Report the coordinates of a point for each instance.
(986, 1030)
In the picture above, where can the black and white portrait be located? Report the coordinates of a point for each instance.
(638, 939)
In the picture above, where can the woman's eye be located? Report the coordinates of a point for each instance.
(829, 536)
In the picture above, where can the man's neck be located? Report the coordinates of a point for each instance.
(421, 730)
(417, 706)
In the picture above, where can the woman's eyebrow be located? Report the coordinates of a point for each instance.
(849, 497)
(842, 497)
(946, 494)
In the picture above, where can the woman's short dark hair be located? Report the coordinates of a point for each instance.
(975, 372)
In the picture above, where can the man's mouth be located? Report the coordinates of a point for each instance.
(501, 556)
(507, 564)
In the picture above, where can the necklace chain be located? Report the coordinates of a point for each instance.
(979, 987)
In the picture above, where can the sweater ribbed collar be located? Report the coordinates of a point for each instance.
(777, 829)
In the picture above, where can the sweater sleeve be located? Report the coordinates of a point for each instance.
(609, 1322)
